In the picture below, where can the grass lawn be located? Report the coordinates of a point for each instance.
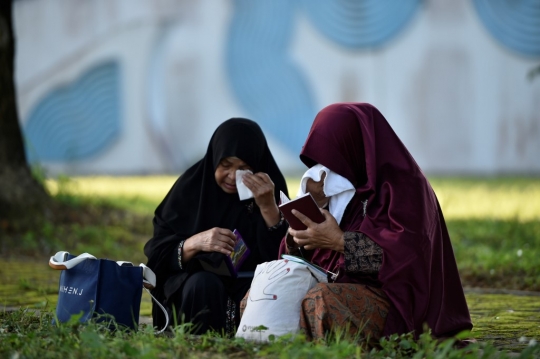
(494, 225)
(510, 198)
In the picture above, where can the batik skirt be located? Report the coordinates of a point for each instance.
(356, 312)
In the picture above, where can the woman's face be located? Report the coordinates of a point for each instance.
(226, 173)
(317, 191)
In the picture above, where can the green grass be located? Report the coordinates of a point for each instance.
(497, 198)
(500, 319)
(138, 194)
(504, 319)
(494, 225)
(26, 334)
(497, 253)
(510, 198)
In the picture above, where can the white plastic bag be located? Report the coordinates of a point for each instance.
(273, 304)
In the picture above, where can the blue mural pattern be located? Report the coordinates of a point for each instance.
(270, 87)
(515, 24)
(360, 24)
(76, 121)
(265, 79)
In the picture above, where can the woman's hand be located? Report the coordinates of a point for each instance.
(326, 235)
(262, 187)
(317, 191)
(263, 192)
(220, 240)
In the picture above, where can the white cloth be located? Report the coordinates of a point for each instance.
(338, 188)
(243, 191)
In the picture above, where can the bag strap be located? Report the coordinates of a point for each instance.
(149, 282)
(149, 277)
(163, 309)
(58, 261)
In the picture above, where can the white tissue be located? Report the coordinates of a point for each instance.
(243, 191)
(338, 188)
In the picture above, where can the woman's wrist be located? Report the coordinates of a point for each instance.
(271, 215)
(188, 249)
(278, 225)
(291, 245)
(340, 243)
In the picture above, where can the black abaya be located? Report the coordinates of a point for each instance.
(195, 204)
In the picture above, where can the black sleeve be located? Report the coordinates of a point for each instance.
(162, 250)
(269, 239)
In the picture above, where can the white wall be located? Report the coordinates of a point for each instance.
(459, 100)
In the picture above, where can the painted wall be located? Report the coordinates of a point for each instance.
(130, 87)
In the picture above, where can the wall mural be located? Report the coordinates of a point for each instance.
(264, 78)
(78, 120)
(515, 24)
(83, 119)
(357, 24)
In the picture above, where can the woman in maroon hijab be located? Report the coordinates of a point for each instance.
(391, 250)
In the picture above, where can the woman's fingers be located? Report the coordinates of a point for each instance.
(303, 218)
(259, 177)
(228, 238)
(219, 240)
(251, 181)
(301, 237)
(259, 183)
(227, 233)
(263, 189)
(317, 235)
(262, 177)
(300, 234)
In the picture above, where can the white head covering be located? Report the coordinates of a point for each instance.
(338, 188)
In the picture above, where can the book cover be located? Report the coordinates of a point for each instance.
(304, 204)
(230, 264)
(319, 273)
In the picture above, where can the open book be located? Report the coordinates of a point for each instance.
(230, 264)
(304, 204)
(320, 274)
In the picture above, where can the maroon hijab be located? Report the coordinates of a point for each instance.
(419, 272)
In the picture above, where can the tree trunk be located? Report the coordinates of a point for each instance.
(23, 200)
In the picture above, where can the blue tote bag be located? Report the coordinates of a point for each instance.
(100, 288)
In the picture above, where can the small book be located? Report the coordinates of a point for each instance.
(230, 264)
(319, 273)
(304, 204)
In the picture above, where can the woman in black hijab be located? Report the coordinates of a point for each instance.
(195, 221)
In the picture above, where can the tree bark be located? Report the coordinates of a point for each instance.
(23, 200)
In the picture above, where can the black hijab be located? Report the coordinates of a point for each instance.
(196, 203)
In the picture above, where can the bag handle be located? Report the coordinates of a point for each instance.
(59, 262)
(163, 309)
(149, 277)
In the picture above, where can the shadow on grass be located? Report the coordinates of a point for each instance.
(497, 253)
